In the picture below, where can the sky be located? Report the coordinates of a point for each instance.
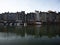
(29, 5)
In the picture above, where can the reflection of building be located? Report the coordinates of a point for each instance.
(36, 31)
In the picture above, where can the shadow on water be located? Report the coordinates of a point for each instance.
(30, 35)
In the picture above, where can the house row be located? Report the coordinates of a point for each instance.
(12, 17)
(32, 17)
(38, 17)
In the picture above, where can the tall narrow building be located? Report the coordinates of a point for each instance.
(37, 18)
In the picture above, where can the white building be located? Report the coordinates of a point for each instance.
(37, 17)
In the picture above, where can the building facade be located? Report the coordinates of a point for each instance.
(30, 18)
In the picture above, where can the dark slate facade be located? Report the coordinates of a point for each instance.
(30, 17)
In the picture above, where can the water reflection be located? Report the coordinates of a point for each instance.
(31, 34)
(37, 30)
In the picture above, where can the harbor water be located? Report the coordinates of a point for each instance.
(30, 35)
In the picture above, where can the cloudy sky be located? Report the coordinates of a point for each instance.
(29, 5)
